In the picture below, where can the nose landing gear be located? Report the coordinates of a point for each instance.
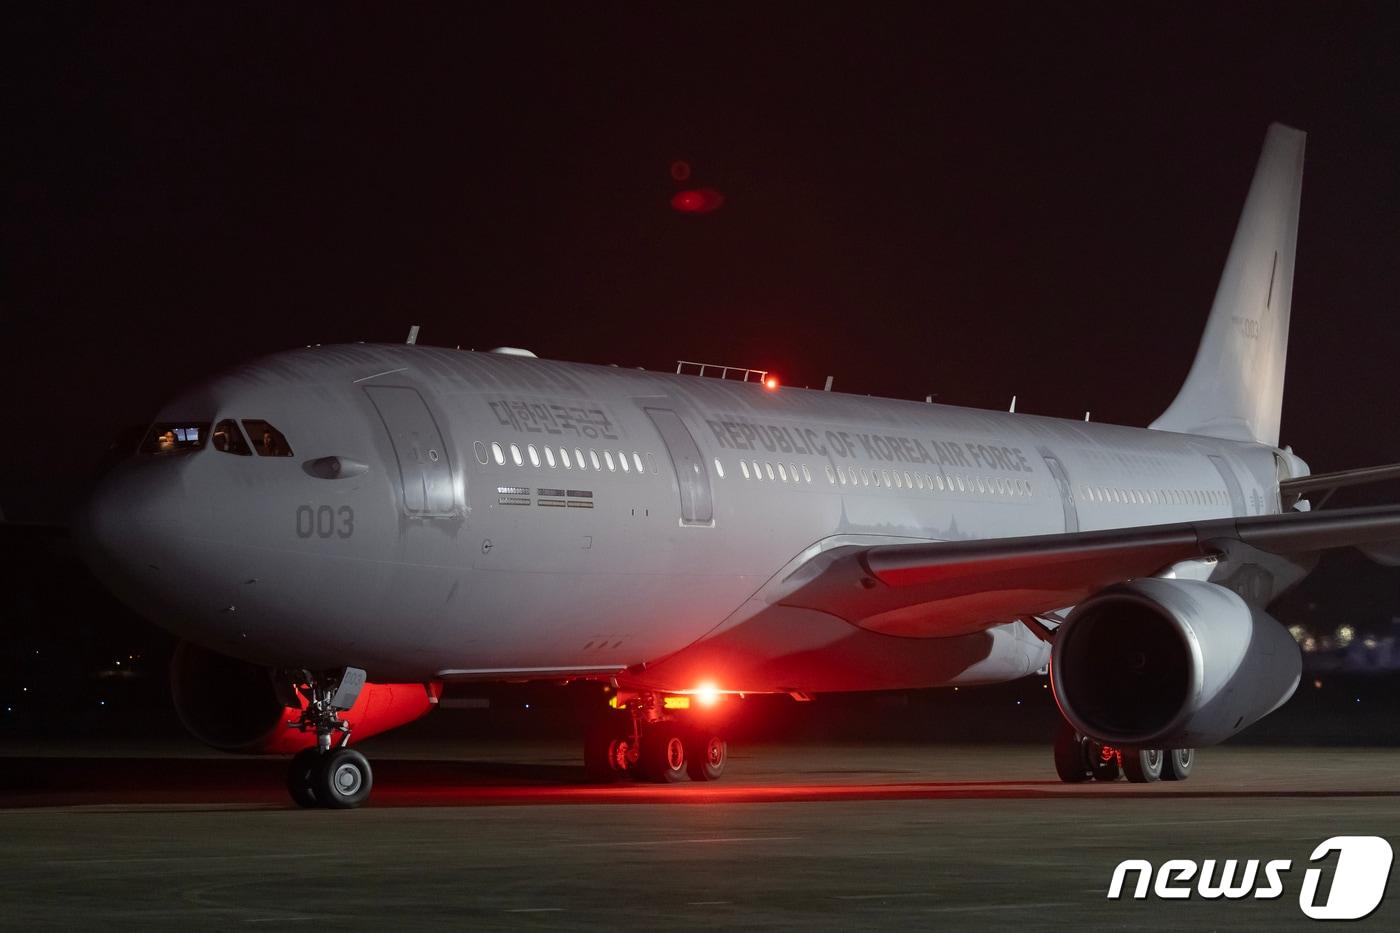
(337, 777)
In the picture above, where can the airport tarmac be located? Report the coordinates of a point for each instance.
(811, 837)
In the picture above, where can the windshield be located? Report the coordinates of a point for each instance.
(175, 437)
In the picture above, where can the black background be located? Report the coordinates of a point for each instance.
(1013, 199)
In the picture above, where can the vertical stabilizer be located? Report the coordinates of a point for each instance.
(1235, 387)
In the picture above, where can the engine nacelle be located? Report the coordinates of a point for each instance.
(1170, 664)
(234, 706)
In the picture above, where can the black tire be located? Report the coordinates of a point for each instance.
(343, 779)
(1143, 765)
(1071, 760)
(1104, 763)
(663, 754)
(606, 751)
(1178, 764)
(706, 755)
(300, 774)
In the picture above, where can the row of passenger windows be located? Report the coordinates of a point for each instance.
(1153, 496)
(870, 476)
(627, 462)
(556, 458)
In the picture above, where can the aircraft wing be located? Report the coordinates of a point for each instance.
(954, 587)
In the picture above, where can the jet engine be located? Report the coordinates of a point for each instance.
(235, 706)
(1170, 664)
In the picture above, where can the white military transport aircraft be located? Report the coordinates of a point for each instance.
(337, 532)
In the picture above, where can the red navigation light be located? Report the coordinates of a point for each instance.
(770, 382)
(707, 694)
(697, 200)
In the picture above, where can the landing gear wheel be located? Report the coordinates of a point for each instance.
(300, 775)
(663, 756)
(1105, 762)
(607, 751)
(1143, 765)
(706, 755)
(1178, 764)
(1071, 755)
(343, 779)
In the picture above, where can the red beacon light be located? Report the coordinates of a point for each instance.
(697, 200)
(770, 383)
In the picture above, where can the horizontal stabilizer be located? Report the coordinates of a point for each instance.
(1318, 482)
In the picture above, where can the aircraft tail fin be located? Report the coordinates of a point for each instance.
(1235, 387)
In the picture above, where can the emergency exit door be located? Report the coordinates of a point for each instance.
(697, 506)
(425, 468)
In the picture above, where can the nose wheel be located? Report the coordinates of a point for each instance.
(328, 774)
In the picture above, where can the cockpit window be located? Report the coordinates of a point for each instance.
(175, 437)
(228, 438)
(267, 440)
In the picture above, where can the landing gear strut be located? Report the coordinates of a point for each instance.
(1079, 758)
(646, 741)
(329, 774)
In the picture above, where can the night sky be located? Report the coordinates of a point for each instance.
(1032, 200)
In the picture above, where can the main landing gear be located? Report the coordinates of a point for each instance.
(644, 740)
(329, 774)
(1079, 758)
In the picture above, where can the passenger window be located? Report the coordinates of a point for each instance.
(875, 477)
(782, 473)
(830, 475)
(229, 439)
(637, 459)
(607, 457)
(908, 480)
(534, 455)
(757, 472)
(622, 461)
(498, 454)
(267, 440)
(578, 458)
(564, 458)
(549, 456)
(961, 486)
(770, 468)
(806, 474)
(480, 450)
(864, 476)
(841, 475)
(174, 438)
(515, 455)
(719, 468)
(744, 468)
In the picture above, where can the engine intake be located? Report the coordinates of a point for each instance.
(234, 706)
(1170, 664)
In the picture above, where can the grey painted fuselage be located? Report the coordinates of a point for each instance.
(448, 558)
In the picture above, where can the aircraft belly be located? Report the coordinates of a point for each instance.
(790, 649)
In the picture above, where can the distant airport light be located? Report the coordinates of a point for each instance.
(697, 200)
(770, 382)
(680, 170)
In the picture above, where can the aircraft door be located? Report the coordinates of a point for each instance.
(1232, 484)
(424, 465)
(697, 505)
(1057, 470)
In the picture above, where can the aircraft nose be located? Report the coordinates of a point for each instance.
(129, 530)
